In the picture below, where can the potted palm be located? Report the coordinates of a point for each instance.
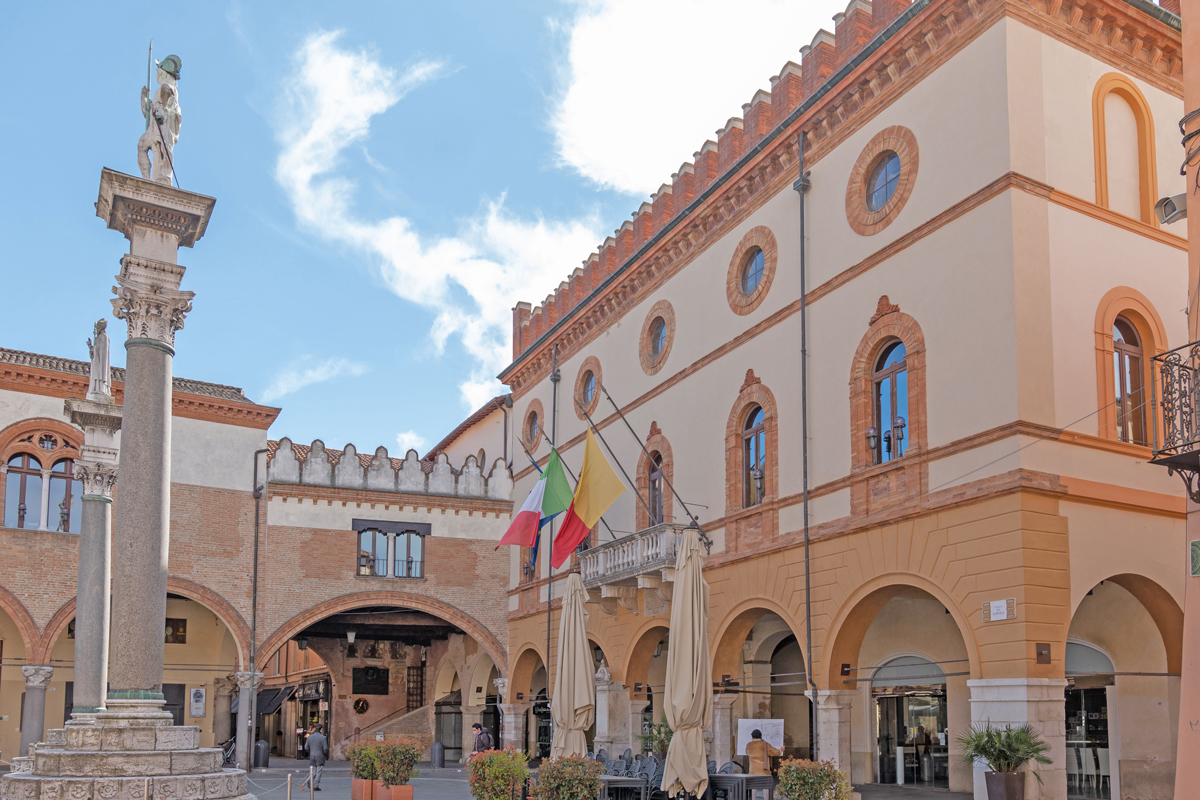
(657, 739)
(1005, 751)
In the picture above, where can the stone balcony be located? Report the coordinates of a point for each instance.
(613, 572)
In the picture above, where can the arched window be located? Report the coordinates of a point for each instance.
(753, 457)
(1127, 382)
(66, 498)
(23, 492)
(886, 435)
(1123, 136)
(655, 498)
(372, 554)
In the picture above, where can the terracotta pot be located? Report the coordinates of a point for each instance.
(379, 791)
(1005, 785)
(404, 792)
(362, 789)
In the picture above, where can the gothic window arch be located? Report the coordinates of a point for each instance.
(1123, 139)
(653, 475)
(37, 475)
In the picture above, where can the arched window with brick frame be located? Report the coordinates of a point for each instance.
(752, 448)
(1123, 143)
(1129, 333)
(37, 474)
(653, 475)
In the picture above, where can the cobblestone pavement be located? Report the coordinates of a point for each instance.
(431, 784)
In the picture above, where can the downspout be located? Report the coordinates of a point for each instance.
(505, 407)
(802, 185)
(258, 494)
(548, 545)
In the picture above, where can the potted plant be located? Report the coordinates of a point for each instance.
(498, 774)
(657, 740)
(568, 778)
(397, 766)
(1005, 751)
(800, 779)
(364, 770)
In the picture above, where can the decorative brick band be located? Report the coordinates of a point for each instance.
(651, 364)
(590, 364)
(896, 139)
(759, 238)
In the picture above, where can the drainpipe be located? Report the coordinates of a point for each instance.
(802, 185)
(258, 494)
(505, 408)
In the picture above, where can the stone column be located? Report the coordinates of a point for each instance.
(723, 727)
(248, 683)
(612, 721)
(636, 719)
(833, 726)
(470, 716)
(96, 469)
(44, 503)
(33, 720)
(1004, 702)
(222, 703)
(513, 724)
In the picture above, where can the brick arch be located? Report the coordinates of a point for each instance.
(529, 657)
(468, 624)
(752, 393)
(637, 659)
(858, 611)
(193, 591)
(1162, 608)
(1135, 307)
(21, 617)
(70, 440)
(656, 442)
(735, 627)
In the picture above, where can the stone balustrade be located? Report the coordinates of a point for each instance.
(627, 558)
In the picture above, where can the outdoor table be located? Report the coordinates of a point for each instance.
(610, 782)
(741, 787)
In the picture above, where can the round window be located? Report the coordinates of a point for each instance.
(533, 427)
(658, 336)
(882, 183)
(589, 387)
(752, 271)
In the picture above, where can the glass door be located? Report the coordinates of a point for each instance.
(1088, 765)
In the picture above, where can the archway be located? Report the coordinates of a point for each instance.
(1123, 656)
(528, 687)
(447, 710)
(902, 617)
(18, 638)
(645, 675)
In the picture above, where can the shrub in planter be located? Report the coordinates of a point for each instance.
(498, 774)
(1005, 751)
(800, 779)
(397, 766)
(364, 770)
(568, 778)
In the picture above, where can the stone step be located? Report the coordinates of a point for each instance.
(220, 785)
(22, 764)
(79, 764)
(56, 736)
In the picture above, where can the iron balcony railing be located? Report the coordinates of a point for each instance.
(1176, 412)
(630, 556)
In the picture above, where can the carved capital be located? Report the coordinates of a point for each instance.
(97, 478)
(152, 312)
(225, 685)
(36, 677)
(248, 680)
(501, 686)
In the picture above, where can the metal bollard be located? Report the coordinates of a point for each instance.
(310, 782)
(289, 791)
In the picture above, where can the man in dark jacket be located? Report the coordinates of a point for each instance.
(483, 739)
(318, 751)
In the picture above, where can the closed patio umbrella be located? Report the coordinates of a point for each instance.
(574, 704)
(687, 698)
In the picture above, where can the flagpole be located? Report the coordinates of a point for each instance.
(600, 436)
(533, 461)
(555, 377)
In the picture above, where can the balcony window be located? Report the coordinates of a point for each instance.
(372, 554)
(656, 490)
(891, 404)
(410, 555)
(753, 457)
(1127, 382)
(23, 492)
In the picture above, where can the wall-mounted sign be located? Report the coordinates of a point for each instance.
(197, 702)
(323, 705)
(997, 610)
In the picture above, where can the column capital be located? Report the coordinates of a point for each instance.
(225, 685)
(833, 698)
(37, 676)
(98, 479)
(248, 680)
(501, 686)
(153, 313)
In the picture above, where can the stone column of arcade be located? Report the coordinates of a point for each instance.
(131, 748)
(33, 717)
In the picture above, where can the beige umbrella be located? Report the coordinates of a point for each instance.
(574, 705)
(687, 698)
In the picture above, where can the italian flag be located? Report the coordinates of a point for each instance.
(550, 496)
(597, 489)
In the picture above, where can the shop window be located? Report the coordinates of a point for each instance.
(372, 554)
(410, 555)
(23, 492)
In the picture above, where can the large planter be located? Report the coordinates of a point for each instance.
(362, 789)
(382, 792)
(1005, 785)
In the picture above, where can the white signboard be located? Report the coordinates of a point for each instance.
(772, 732)
(323, 705)
(197, 704)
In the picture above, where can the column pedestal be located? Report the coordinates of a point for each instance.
(222, 705)
(1004, 702)
(513, 729)
(833, 726)
(612, 721)
(248, 684)
(723, 728)
(33, 719)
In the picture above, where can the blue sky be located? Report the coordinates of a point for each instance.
(390, 177)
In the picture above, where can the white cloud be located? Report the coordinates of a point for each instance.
(494, 261)
(306, 371)
(410, 440)
(647, 81)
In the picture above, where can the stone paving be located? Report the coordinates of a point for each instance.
(879, 791)
(431, 784)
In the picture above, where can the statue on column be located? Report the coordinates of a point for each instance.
(100, 379)
(163, 118)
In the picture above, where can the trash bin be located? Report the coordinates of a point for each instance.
(437, 755)
(262, 754)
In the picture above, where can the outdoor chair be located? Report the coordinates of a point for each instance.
(590, 756)
(712, 767)
(1104, 774)
(618, 767)
(1089, 765)
(602, 754)
(639, 756)
(1073, 767)
(656, 791)
(729, 768)
(628, 756)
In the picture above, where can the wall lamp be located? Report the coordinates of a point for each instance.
(302, 642)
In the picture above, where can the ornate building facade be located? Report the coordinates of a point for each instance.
(973, 248)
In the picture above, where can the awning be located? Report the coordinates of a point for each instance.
(265, 698)
(273, 705)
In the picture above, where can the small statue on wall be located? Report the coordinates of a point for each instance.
(100, 374)
(163, 118)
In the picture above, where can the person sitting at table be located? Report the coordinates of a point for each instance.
(760, 753)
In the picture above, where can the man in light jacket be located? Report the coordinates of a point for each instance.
(318, 751)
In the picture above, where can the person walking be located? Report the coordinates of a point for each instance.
(483, 739)
(318, 751)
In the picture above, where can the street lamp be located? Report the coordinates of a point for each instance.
(873, 443)
(898, 425)
(302, 643)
